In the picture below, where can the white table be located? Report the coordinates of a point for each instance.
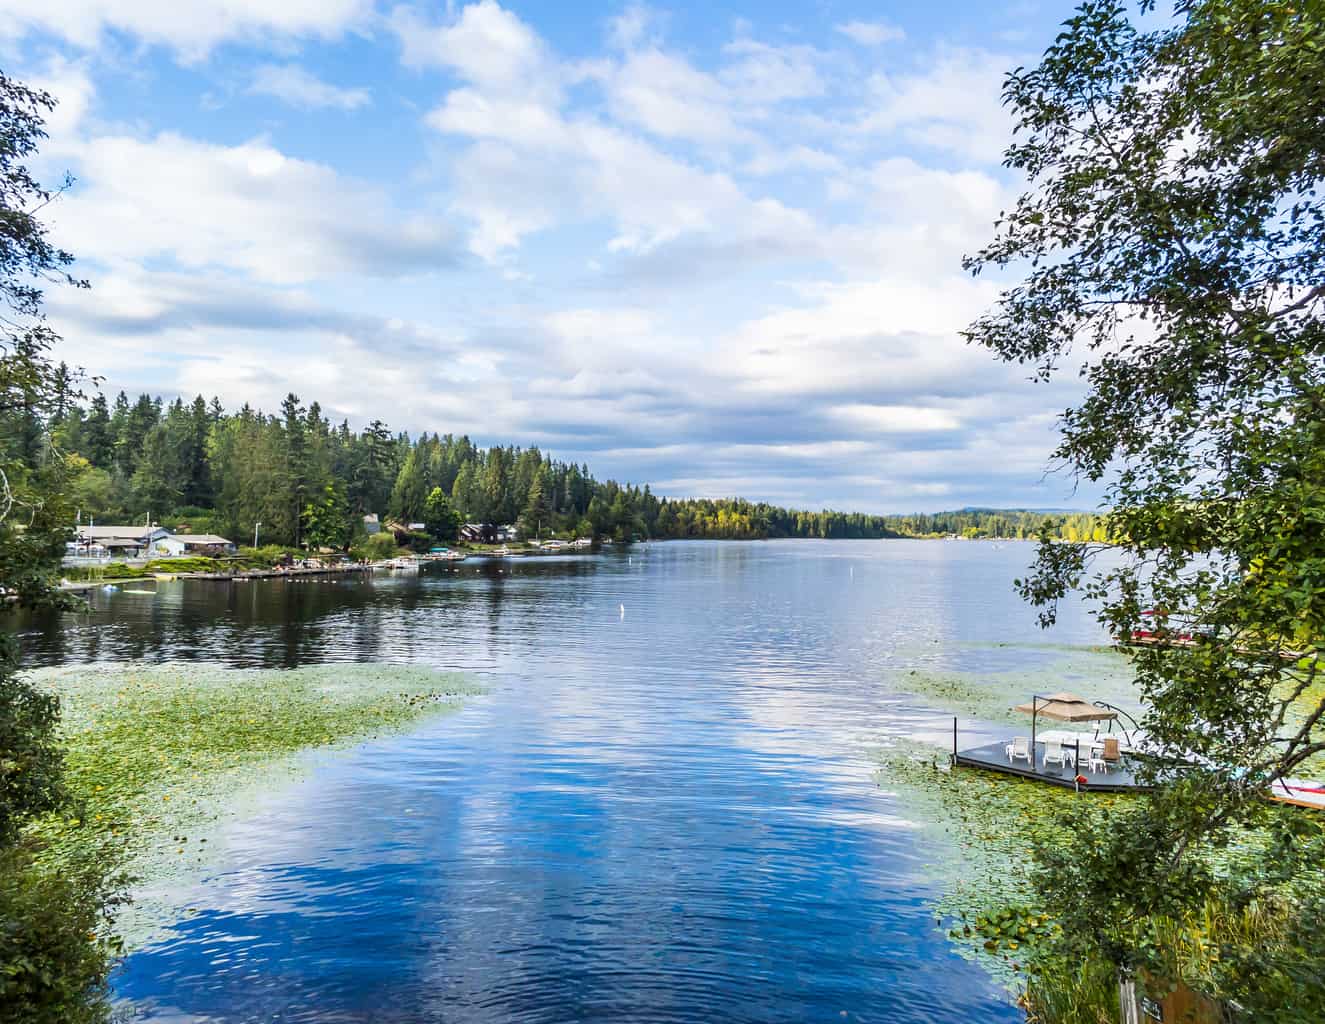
(1068, 738)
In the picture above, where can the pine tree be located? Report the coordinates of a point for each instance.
(467, 496)
(295, 468)
(97, 443)
(537, 512)
(440, 518)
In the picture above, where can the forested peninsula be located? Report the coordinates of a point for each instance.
(310, 482)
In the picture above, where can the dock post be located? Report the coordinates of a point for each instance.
(954, 739)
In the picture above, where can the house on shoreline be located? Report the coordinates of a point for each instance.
(196, 545)
(145, 541)
(487, 533)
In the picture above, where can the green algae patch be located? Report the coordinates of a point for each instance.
(983, 826)
(1094, 673)
(159, 757)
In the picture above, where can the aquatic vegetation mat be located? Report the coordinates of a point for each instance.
(984, 826)
(159, 756)
(1011, 673)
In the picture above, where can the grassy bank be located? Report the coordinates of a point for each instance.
(160, 756)
(120, 572)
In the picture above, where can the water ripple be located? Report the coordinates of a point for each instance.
(664, 816)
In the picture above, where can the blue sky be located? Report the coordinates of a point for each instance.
(712, 247)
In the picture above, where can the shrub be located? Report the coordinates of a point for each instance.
(417, 540)
(269, 555)
(56, 948)
(376, 548)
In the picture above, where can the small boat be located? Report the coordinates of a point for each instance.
(1299, 792)
(444, 555)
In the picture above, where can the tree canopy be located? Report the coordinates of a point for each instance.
(195, 464)
(54, 948)
(1171, 246)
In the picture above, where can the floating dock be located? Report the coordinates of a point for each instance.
(994, 757)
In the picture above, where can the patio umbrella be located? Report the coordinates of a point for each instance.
(1064, 707)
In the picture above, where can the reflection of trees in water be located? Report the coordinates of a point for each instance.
(285, 623)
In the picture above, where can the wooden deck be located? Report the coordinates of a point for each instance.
(993, 757)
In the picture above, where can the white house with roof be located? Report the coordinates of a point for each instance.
(144, 542)
(116, 541)
(176, 545)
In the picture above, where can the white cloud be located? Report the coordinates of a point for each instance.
(672, 297)
(895, 419)
(871, 33)
(668, 98)
(596, 325)
(535, 163)
(763, 74)
(954, 104)
(799, 157)
(300, 88)
(71, 84)
(916, 222)
(248, 207)
(632, 26)
(189, 29)
(487, 45)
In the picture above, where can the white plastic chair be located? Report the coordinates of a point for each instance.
(1053, 751)
(1019, 749)
(1097, 762)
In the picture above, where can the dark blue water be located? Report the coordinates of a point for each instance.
(666, 813)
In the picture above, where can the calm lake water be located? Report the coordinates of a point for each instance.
(663, 810)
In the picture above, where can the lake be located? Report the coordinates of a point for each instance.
(664, 808)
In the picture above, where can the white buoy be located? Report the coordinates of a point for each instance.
(623, 611)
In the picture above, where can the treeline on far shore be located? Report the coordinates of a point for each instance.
(1002, 524)
(310, 482)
